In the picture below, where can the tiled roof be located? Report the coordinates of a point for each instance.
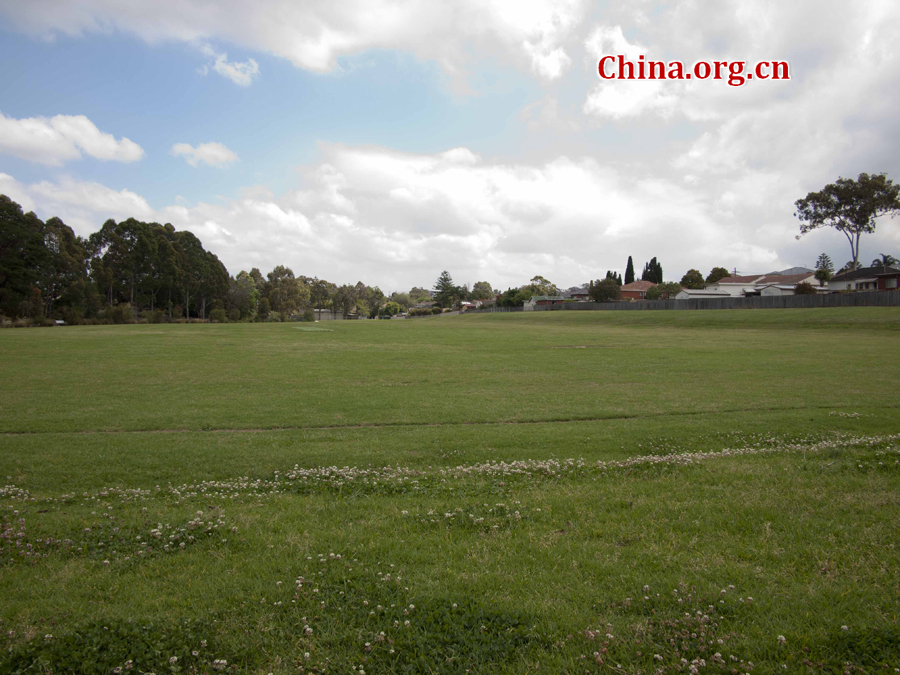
(863, 273)
(792, 279)
(740, 280)
(638, 286)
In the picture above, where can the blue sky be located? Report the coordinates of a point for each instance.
(386, 142)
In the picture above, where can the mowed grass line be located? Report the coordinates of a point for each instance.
(51, 463)
(486, 368)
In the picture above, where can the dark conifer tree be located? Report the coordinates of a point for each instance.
(629, 271)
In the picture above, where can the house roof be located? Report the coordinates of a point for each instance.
(790, 271)
(864, 273)
(747, 279)
(575, 290)
(704, 291)
(785, 279)
(638, 286)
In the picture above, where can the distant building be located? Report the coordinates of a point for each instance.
(865, 279)
(889, 280)
(578, 293)
(636, 290)
(542, 301)
(752, 284)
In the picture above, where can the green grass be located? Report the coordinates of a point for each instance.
(112, 439)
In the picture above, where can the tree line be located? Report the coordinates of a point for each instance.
(46, 270)
(133, 269)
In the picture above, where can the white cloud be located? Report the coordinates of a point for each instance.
(625, 98)
(241, 73)
(314, 34)
(83, 205)
(211, 154)
(62, 138)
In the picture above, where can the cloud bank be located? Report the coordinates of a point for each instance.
(62, 138)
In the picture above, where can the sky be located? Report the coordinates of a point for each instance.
(384, 141)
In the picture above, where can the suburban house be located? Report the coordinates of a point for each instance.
(889, 280)
(543, 301)
(481, 304)
(753, 284)
(865, 279)
(636, 290)
(578, 293)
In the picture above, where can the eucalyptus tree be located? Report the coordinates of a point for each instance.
(850, 206)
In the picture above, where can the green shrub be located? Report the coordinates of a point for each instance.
(218, 316)
(120, 314)
(156, 316)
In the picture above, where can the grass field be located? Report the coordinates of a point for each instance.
(673, 492)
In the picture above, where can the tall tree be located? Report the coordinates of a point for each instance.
(419, 294)
(243, 295)
(541, 286)
(284, 293)
(824, 269)
(22, 255)
(615, 276)
(849, 206)
(716, 274)
(692, 279)
(375, 298)
(320, 292)
(605, 290)
(344, 299)
(653, 272)
(63, 279)
(629, 271)
(445, 291)
(401, 299)
(482, 290)
(885, 260)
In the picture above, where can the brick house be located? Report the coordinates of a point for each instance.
(636, 290)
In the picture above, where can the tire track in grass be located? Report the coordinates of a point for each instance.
(400, 425)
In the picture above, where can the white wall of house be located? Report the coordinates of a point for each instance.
(865, 284)
(734, 290)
